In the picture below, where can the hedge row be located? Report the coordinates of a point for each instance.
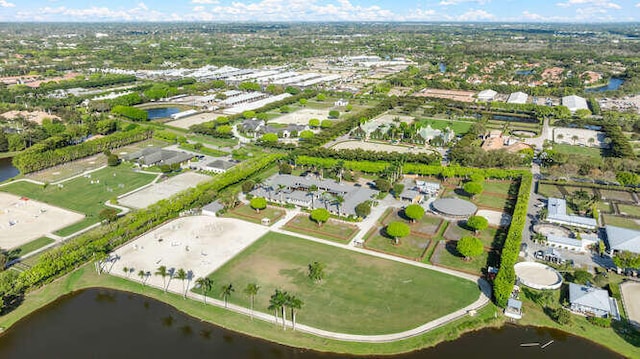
(104, 239)
(33, 159)
(503, 284)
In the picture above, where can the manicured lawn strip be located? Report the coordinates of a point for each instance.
(332, 230)
(577, 150)
(80, 195)
(427, 225)
(549, 190)
(459, 127)
(410, 247)
(620, 222)
(29, 247)
(617, 195)
(247, 213)
(86, 277)
(444, 256)
(629, 210)
(220, 142)
(83, 223)
(492, 201)
(354, 296)
(456, 230)
(500, 187)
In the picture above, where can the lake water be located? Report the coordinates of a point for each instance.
(442, 67)
(101, 323)
(524, 72)
(614, 84)
(161, 112)
(7, 170)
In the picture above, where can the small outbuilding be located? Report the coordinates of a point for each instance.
(212, 209)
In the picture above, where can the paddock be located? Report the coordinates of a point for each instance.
(163, 190)
(23, 220)
(197, 244)
(379, 147)
(630, 291)
(302, 117)
(195, 119)
(537, 275)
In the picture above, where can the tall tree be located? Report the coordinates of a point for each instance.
(227, 290)
(162, 271)
(205, 284)
(182, 275)
(415, 212)
(316, 271)
(252, 290)
(295, 304)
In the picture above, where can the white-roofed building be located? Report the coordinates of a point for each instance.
(623, 239)
(518, 97)
(487, 95)
(592, 301)
(557, 213)
(575, 103)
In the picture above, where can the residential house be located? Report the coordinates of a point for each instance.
(155, 156)
(592, 301)
(218, 166)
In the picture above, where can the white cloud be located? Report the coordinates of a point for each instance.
(209, 2)
(5, 3)
(532, 16)
(140, 12)
(457, 2)
(592, 3)
(638, 4)
(475, 15)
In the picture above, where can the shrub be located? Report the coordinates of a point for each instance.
(415, 212)
(397, 230)
(473, 188)
(320, 215)
(258, 203)
(383, 185)
(477, 223)
(600, 322)
(469, 247)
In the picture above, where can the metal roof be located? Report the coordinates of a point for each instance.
(557, 212)
(623, 239)
(454, 206)
(589, 297)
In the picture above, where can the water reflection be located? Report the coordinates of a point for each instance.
(97, 324)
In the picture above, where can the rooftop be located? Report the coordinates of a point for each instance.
(589, 297)
(455, 207)
(557, 212)
(623, 239)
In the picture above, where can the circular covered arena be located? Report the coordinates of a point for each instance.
(454, 207)
(537, 275)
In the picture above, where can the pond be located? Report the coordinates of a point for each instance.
(524, 72)
(161, 112)
(442, 67)
(103, 323)
(7, 170)
(614, 84)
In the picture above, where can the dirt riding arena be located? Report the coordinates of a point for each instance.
(302, 117)
(162, 190)
(198, 244)
(379, 147)
(194, 120)
(23, 220)
(630, 291)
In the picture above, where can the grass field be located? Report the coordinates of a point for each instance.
(354, 296)
(80, 195)
(446, 255)
(411, 246)
(427, 225)
(457, 230)
(621, 222)
(332, 230)
(629, 210)
(493, 201)
(616, 195)
(29, 247)
(220, 142)
(549, 190)
(459, 127)
(247, 213)
(577, 150)
(500, 187)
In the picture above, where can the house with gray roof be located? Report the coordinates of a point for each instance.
(622, 239)
(212, 208)
(557, 213)
(218, 166)
(592, 301)
(251, 126)
(154, 156)
(290, 189)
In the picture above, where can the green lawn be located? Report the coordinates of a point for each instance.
(427, 225)
(492, 201)
(549, 190)
(332, 230)
(446, 255)
(411, 246)
(80, 195)
(29, 247)
(247, 213)
(616, 195)
(629, 210)
(500, 187)
(360, 293)
(220, 142)
(577, 150)
(621, 222)
(457, 230)
(459, 127)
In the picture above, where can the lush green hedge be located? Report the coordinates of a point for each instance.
(503, 284)
(34, 159)
(363, 166)
(131, 113)
(96, 243)
(454, 171)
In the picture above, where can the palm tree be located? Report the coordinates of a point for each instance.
(277, 302)
(252, 290)
(575, 139)
(339, 200)
(205, 284)
(126, 271)
(227, 290)
(312, 191)
(162, 271)
(294, 304)
(142, 274)
(182, 275)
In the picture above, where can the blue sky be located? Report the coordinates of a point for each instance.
(322, 10)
